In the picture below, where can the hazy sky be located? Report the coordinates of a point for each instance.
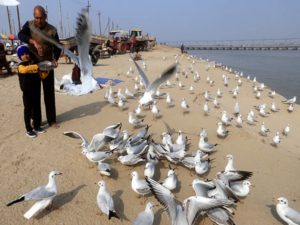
(174, 20)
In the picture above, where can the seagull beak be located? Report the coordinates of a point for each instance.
(58, 173)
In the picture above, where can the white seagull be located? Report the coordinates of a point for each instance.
(169, 100)
(146, 217)
(286, 213)
(236, 109)
(139, 186)
(276, 139)
(105, 202)
(290, 108)
(205, 146)
(149, 170)
(170, 181)
(42, 194)
(286, 130)
(185, 213)
(82, 36)
(147, 98)
(221, 130)
(290, 101)
(133, 120)
(274, 108)
(240, 188)
(239, 121)
(184, 105)
(263, 129)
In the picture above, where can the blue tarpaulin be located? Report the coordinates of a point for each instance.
(103, 80)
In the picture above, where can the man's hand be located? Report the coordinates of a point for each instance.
(38, 47)
(54, 63)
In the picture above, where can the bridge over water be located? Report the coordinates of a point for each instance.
(263, 44)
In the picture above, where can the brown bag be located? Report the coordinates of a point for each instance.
(76, 75)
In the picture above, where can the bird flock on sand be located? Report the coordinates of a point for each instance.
(216, 199)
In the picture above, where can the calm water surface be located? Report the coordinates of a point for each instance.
(280, 70)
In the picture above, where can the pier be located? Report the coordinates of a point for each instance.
(252, 45)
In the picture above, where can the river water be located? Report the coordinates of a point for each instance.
(278, 69)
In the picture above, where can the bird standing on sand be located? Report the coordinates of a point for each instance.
(149, 170)
(184, 105)
(169, 100)
(44, 196)
(276, 139)
(216, 103)
(205, 146)
(139, 186)
(206, 109)
(146, 217)
(219, 93)
(287, 214)
(221, 130)
(263, 129)
(236, 109)
(170, 181)
(132, 119)
(290, 108)
(239, 121)
(286, 130)
(274, 108)
(105, 202)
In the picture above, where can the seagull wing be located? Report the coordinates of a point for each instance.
(103, 203)
(52, 41)
(141, 72)
(196, 204)
(293, 215)
(165, 198)
(166, 75)
(237, 175)
(97, 142)
(39, 193)
(111, 131)
(201, 188)
(225, 189)
(221, 216)
(74, 134)
(83, 42)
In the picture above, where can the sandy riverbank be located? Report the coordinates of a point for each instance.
(25, 163)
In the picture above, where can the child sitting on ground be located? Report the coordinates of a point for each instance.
(30, 85)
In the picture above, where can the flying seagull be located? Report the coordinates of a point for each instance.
(83, 60)
(151, 88)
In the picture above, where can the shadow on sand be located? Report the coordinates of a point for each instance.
(82, 111)
(61, 200)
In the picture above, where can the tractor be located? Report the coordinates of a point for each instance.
(140, 42)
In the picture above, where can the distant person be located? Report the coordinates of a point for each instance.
(3, 60)
(182, 48)
(110, 50)
(30, 85)
(43, 50)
